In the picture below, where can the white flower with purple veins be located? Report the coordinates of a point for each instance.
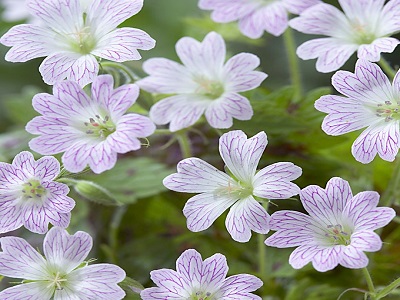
(195, 279)
(370, 101)
(203, 85)
(219, 191)
(29, 197)
(74, 38)
(90, 130)
(256, 16)
(61, 273)
(365, 27)
(338, 229)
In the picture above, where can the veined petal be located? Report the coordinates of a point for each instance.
(75, 158)
(25, 162)
(241, 155)
(224, 12)
(273, 182)
(332, 53)
(121, 45)
(10, 215)
(121, 99)
(189, 265)
(366, 240)
(220, 112)
(49, 144)
(28, 291)
(206, 57)
(136, 125)
(372, 52)
(297, 7)
(382, 138)
(327, 258)
(239, 287)
(353, 9)
(181, 111)
(302, 255)
(106, 15)
(47, 168)
(64, 251)
(170, 283)
(196, 176)
(28, 42)
(239, 73)
(353, 258)
(34, 217)
(246, 215)
(102, 157)
(390, 18)
(272, 17)
(214, 271)
(21, 260)
(202, 210)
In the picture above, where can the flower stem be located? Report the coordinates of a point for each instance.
(387, 290)
(184, 144)
(383, 63)
(293, 63)
(127, 71)
(370, 284)
(114, 228)
(262, 251)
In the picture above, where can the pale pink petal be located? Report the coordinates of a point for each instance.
(20, 260)
(47, 168)
(239, 287)
(64, 251)
(49, 144)
(96, 282)
(137, 126)
(101, 91)
(121, 99)
(353, 258)
(25, 162)
(302, 255)
(366, 240)
(206, 57)
(396, 82)
(220, 112)
(181, 111)
(241, 155)
(190, 266)
(106, 15)
(390, 18)
(196, 176)
(28, 291)
(240, 75)
(332, 53)
(166, 77)
(246, 215)
(372, 52)
(327, 258)
(27, 42)
(224, 12)
(10, 215)
(101, 157)
(345, 114)
(293, 229)
(298, 6)
(202, 210)
(121, 45)
(272, 18)
(380, 138)
(34, 217)
(214, 271)
(353, 9)
(75, 158)
(171, 285)
(273, 182)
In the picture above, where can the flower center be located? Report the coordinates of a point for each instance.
(389, 111)
(200, 295)
(57, 282)
(82, 41)
(99, 126)
(235, 189)
(32, 189)
(210, 88)
(337, 235)
(362, 34)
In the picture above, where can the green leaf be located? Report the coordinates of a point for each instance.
(131, 286)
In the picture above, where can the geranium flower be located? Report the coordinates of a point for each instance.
(365, 27)
(338, 229)
(198, 279)
(91, 131)
(202, 85)
(61, 273)
(72, 37)
(29, 197)
(256, 16)
(370, 101)
(219, 191)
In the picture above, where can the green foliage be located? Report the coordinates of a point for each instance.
(132, 288)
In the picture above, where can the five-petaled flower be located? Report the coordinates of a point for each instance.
(91, 131)
(219, 191)
(62, 273)
(204, 84)
(197, 279)
(371, 101)
(338, 229)
(256, 16)
(72, 37)
(365, 27)
(30, 197)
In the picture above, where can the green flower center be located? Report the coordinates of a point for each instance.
(210, 88)
(389, 110)
(57, 282)
(32, 189)
(337, 235)
(362, 35)
(82, 41)
(200, 295)
(235, 189)
(100, 126)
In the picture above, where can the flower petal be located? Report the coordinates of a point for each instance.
(239, 287)
(65, 252)
(353, 258)
(227, 12)
(171, 285)
(47, 168)
(202, 210)
(25, 162)
(372, 52)
(366, 240)
(241, 155)
(10, 215)
(302, 255)
(297, 7)
(31, 291)
(273, 182)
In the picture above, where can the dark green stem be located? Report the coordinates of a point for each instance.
(131, 75)
(119, 212)
(390, 72)
(387, 290)
(184, 144)
(293, 62)
(370, 284)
